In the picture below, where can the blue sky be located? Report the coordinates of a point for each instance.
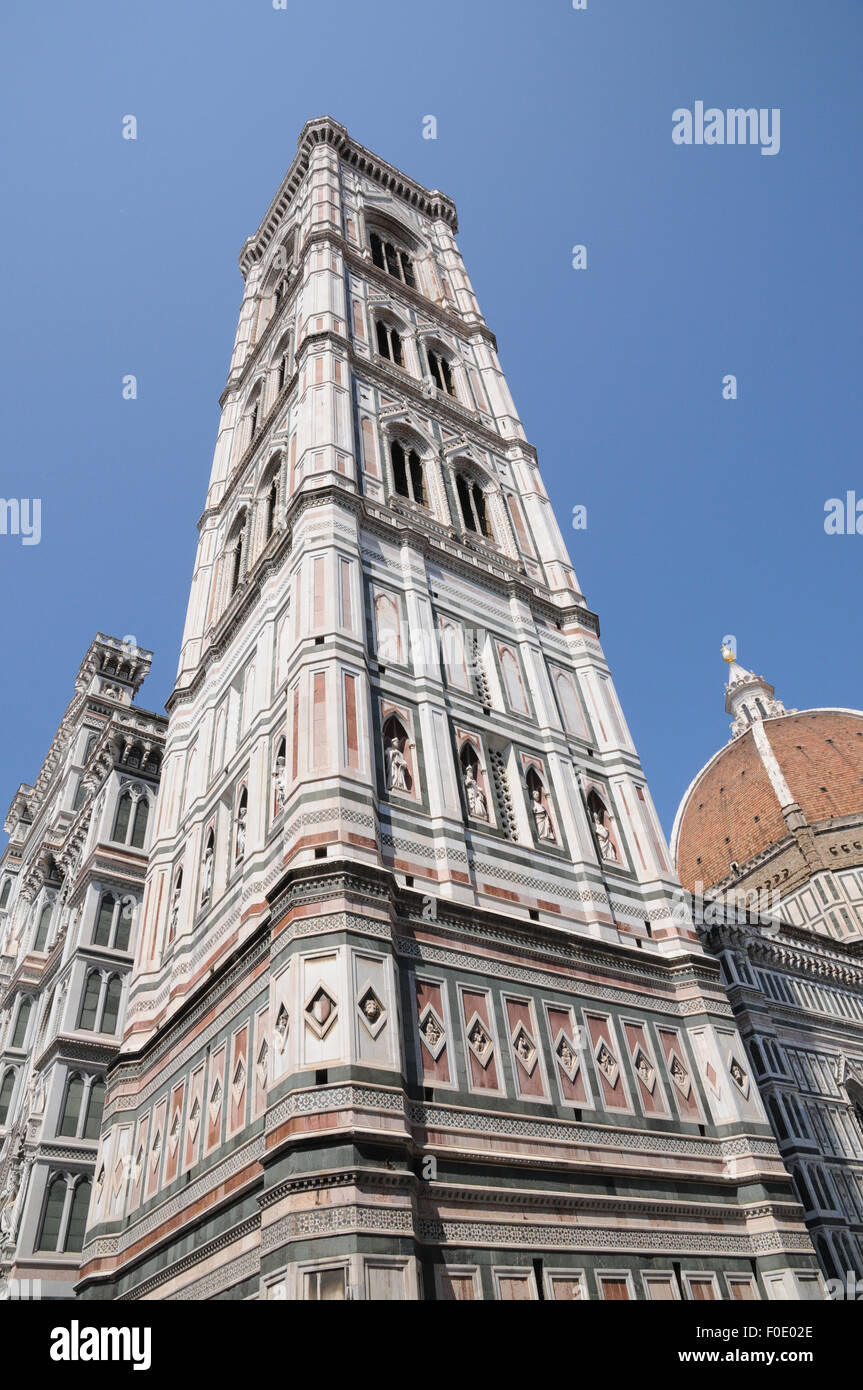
(705, 516)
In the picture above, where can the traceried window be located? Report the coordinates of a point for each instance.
(441, 372)
(328, 1285)
(5, 891)
(389, 342)
(471, 500)
(130, 823)
(82, 1107)
(393, 259)
(64, 1215)
(100, 1006)
(408, 479)
(272, 505)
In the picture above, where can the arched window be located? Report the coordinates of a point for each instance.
(6, 1088)
(104, 920)
(40, 940)
(389, 342)
(471, 500)
(441, 372)
(90, 1002)
(77, 1217)
(408, 479)
(393, 259)
(123, 929)
(20, 1034)
(130, 823)
(52, 1214)
(111, 1011)
(72, 1107)
(254, 411)
(281, 359)
(95, 1106)
(236, 553)
(5, 891)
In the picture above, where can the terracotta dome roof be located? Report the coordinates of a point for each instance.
(733, 809)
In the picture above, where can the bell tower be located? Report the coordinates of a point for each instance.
(414, 975)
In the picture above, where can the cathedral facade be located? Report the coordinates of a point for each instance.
(71, 879)
(769, 840)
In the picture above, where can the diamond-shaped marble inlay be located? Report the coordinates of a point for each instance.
(283, 1023)
(372, 1011)
(100, 1180)
(174, 1134)
(479, 1041)
(238, 1081)
(139, 1163)
(607, 1064)
(712, 1078)
(156, 1150)
(432, 1032)
(679, 1075)
(215, 1100)
(644, 1069)
(262, 1067)
(524, 1048)
(195, 1119)
(321, 1010)
(119, 1174)
(738, 1075)
(567, 1056)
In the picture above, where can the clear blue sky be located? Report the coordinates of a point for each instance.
(705, 516)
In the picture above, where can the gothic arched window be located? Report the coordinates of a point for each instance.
(95, 1106)
(72, 1107)
(5, 891)
(52, 1213)
(111, 1011)
(393, 259)
(255, 411)
(74, 1240)
(104, 920)
(441, 371)
(130, 823)
(90, 1002)
(389, 342)
(19, 1036)
(281, 357)
(40, 940)
(471, 500)
(408, 479)
(6, 1088)
(236, 553)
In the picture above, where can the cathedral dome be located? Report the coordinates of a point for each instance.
(782, 772)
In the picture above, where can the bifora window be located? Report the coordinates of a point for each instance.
(393, 259)
(472, 503)
(408, 479)
(441, 371)
(389, 343)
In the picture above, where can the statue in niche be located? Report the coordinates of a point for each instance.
(207, 874)
(603, 838)
(240, 851)
(175, 907)
(397, 768)
(541, 818)
(280, 783)
(476, 801)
